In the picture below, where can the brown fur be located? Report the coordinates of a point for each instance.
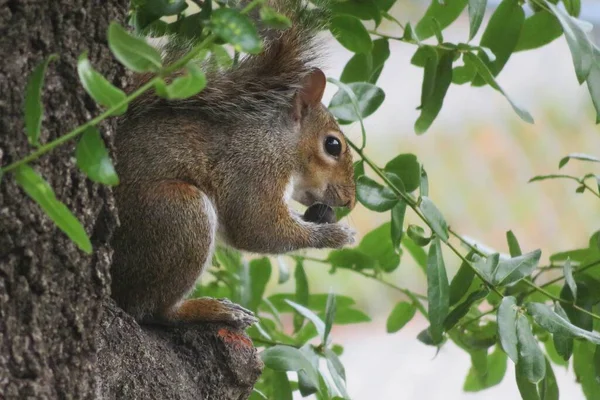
(186, 176)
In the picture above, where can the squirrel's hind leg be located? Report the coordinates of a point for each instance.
(166, 238)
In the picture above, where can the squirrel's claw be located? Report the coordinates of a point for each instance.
(237, 316)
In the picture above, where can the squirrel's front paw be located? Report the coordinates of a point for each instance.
(335, 236)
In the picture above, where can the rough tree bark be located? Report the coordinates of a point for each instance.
(60, 337)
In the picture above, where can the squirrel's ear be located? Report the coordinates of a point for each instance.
(311, 92)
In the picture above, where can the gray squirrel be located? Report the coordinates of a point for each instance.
(224, 164)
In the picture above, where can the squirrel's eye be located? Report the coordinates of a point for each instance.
(333, 146)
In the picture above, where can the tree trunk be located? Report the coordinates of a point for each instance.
(60, 337)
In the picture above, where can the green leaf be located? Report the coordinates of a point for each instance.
(332, 356)
(408, 169)
(338, 380)
(385, 5)
(397, 223)
(351, 33)
(283, 269)
(501, 36)
(573, 7)
(577, 156)
(187, 85)
(513, 244)
(479, 365)
(315, 302)
(583, 360)
(351, 259)
(486, 266)
(302, 292)
(555, 324)
(229, 258)
(220, 56)
(496, 368)
(346, 316)
(312, 317)
(34, 109)
(400, 315)
(569, 280)
(338, 349)
(236, 29)
(444, 13)
(423, 183)
(419, 59)
(366, 67)
(553, 176)
(380, 54)
(258, 395)
(378, 245)
(131, 51)
(40, 191)
(437, 291)
(507, 327)
(374, 196)
(369, 97)
(434, 217)
(192, 26)
(425, 337)
(463, 308)
(287, 358)
(538, 30)
(329, 316)
(416, 252)
(363, 9)
(305, 382)
(527, 389)
(487, 76)
(337, 371)
(563, 343)
(281, 386)
(92, 158)
(147, 14)
(437, 30)
(101, 90)
(515, 269)
(532, 363)
(597, 363)
(548, 387)
(260, 273)
(437, 76)
(477, 336)
(464, 73)
(585, 301)
(579, 44)
(552, 354)
(462, 281)
(274, 19)
(359, 169)
(357, 69)
(417, 234)
(593, 83)
(476, 12)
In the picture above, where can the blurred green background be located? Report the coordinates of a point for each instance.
(479, 157)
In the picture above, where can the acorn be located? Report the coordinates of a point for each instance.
(320, 214)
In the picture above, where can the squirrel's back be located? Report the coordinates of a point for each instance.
(257, 86)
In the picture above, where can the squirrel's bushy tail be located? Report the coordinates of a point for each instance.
(259, 85)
